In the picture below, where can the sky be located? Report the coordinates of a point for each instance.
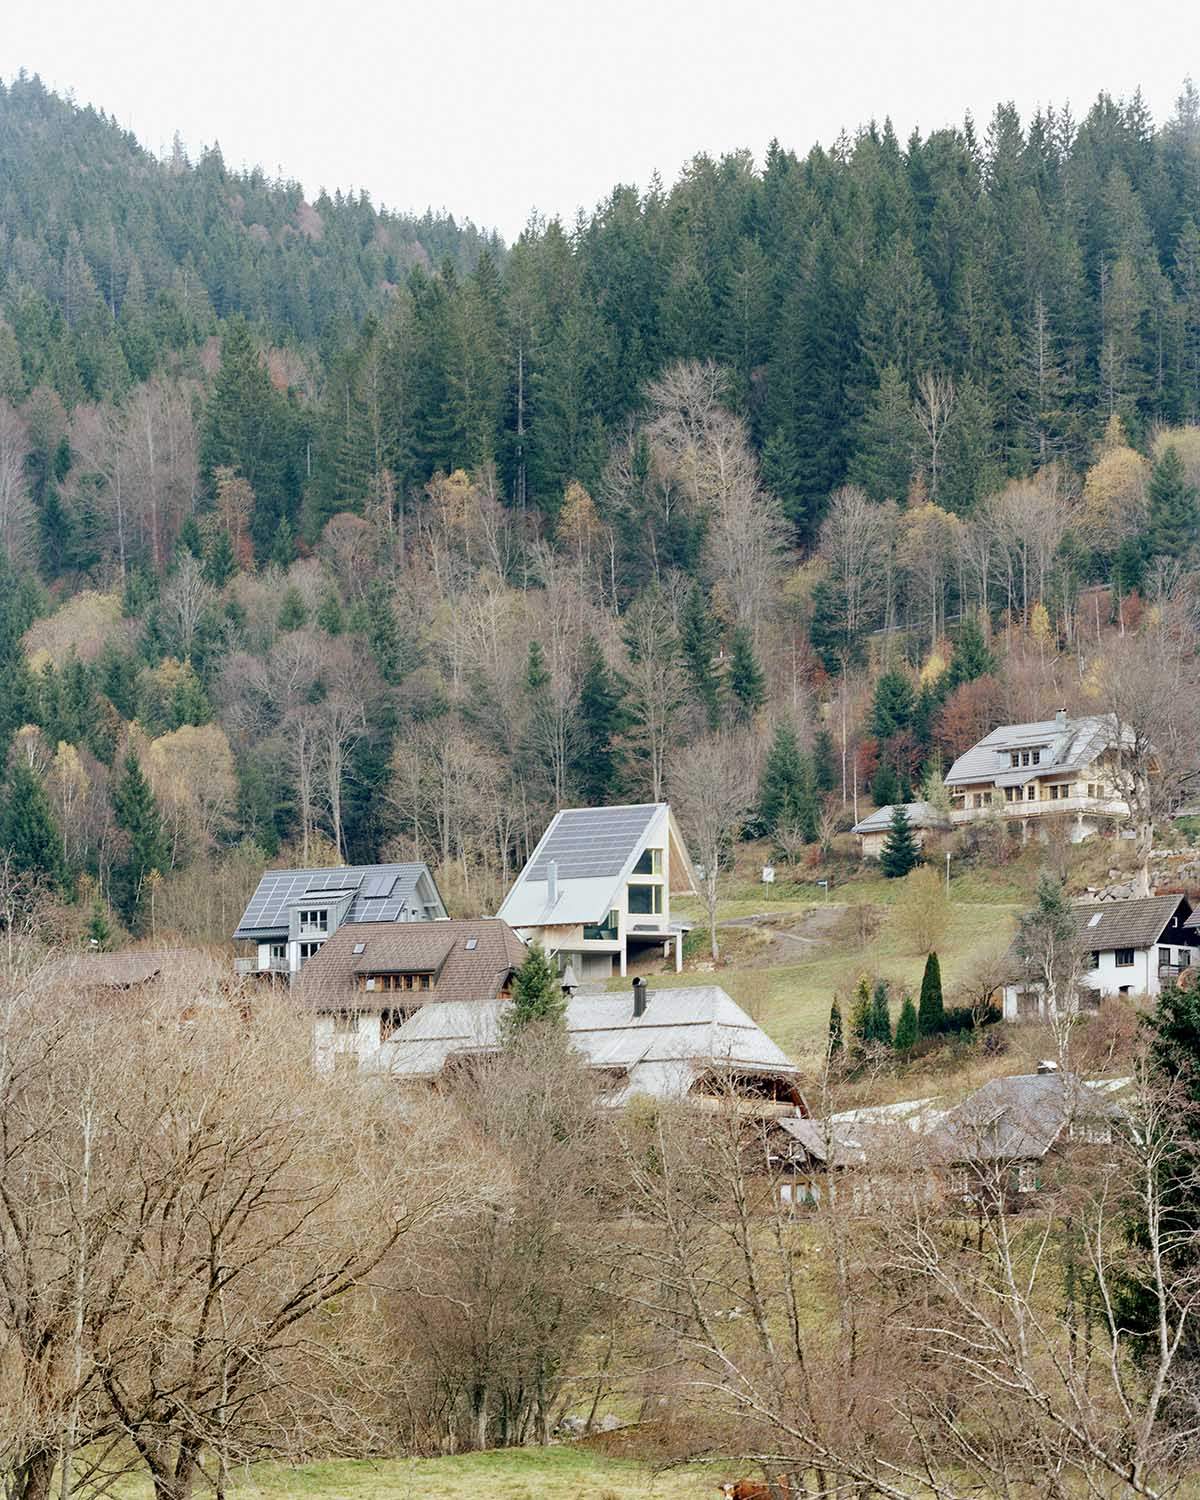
(494, 109)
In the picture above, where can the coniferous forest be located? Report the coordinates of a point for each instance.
(342, 529)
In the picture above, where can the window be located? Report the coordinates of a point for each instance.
(1093, 790)
(1036, 758)
(645, 900)
(314, 920)
(1164, 958)
(394, 982)
(603, 932)
(1185, 958)
(307, 950)
(1124, 958)
(649, 862)
(1015, 757)
(1031, 792)
(1024, 757)
(278, 952)
(1028, 1004)
(1093, 960)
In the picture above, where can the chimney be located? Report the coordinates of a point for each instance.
(1060, 719)
(552, 883)
(639, 998)
(1047, 1065)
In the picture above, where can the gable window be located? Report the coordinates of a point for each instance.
(649, 862)
(645, 900)
(1124, 958)
(314, 920)
(1035, 758)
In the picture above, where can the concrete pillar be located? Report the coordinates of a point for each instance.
(679, 953)
(622, 961)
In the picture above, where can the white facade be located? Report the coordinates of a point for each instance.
(1128, 971)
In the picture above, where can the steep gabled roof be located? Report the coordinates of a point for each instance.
(468, 960)
(1019, 1118)
(1136, 923)
(1065, 747)
(594, 850)
(377, 893)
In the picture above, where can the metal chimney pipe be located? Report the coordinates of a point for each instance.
(639, 998)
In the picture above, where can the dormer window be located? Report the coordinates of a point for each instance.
(391, 982)
(315, 919)
(1015, 757)
(1035, 757)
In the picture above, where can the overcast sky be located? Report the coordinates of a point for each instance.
(492, 108)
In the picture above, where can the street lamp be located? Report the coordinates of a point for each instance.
(947, 873)
(825, 883)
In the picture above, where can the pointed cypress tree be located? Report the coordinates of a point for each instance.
(537, 995)
(881, 1021)
(900, 852)
(837, 1042)
(136, 811)
(746, 680)
(930, 1012)
(28, 832)
(860, 1016)
(907, 1030)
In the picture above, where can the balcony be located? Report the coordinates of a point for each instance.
(244, 967)
(1101, 807)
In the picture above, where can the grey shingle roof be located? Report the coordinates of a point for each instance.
(1018, 1118)
(1065, 747)
(379, 893)
(468, 959)
(1137, 923)
(920, 815)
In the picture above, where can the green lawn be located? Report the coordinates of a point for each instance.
(561, 1473)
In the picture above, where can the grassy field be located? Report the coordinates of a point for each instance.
(565, 1473)
(790, 993)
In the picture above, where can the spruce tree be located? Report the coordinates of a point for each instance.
(881, 1021)
(330, 616)
(837, 1042)
(1173, 518)
(219, 562)
(971, 658)
(887, 440)
(28, 832)
(537, 995)
(900, 852)
(930, 1011)
(907, 1029)
(885, 787)
(282, 552)
(746, 680)
(601, 719)
(787, 790)
(699, 641)
(824, 761)
(292, 611)
(136, 811)
(892, 706)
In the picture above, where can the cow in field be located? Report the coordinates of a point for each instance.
(754, 1489)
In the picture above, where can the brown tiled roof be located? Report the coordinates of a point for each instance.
(328, 979)
(134, 966)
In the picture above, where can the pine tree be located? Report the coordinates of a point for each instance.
(746, 680)
(881, 1021)
(900, 852)
(907, 1030)
(329, 614)
(292, 611)
(783, 791)
(892, 706)
(219, 563)
(824, 761)
(136, 811)
(28, 832)
(930, 1012)
(537, 995)
(887, 440)
(836, 1043)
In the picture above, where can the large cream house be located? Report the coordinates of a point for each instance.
(599, 885)
(1059, 767)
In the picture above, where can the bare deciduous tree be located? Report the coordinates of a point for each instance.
(712, 790)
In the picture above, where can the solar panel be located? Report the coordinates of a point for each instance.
(590, 842)
(379, 886)
(280, 890)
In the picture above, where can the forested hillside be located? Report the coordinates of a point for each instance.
(329, 524)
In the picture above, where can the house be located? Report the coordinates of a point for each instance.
(691, 1042)
(598, 887)
(1059, 768)
(1126, 947)
(293, 912)
(993, 1146)
(132, 969)
(923, 818)
(366, 982)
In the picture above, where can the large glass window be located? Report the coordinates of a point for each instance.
(649, 862)
(602, 932)
(645, 900)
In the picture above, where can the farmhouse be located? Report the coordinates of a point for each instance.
(366, 982)
(691, 1042)
(598, 888)
(1054, 768)
(293, 912)
(923, 818)
(1125, 948)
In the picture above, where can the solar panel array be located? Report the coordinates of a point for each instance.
(592, 842)
(279, 890)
